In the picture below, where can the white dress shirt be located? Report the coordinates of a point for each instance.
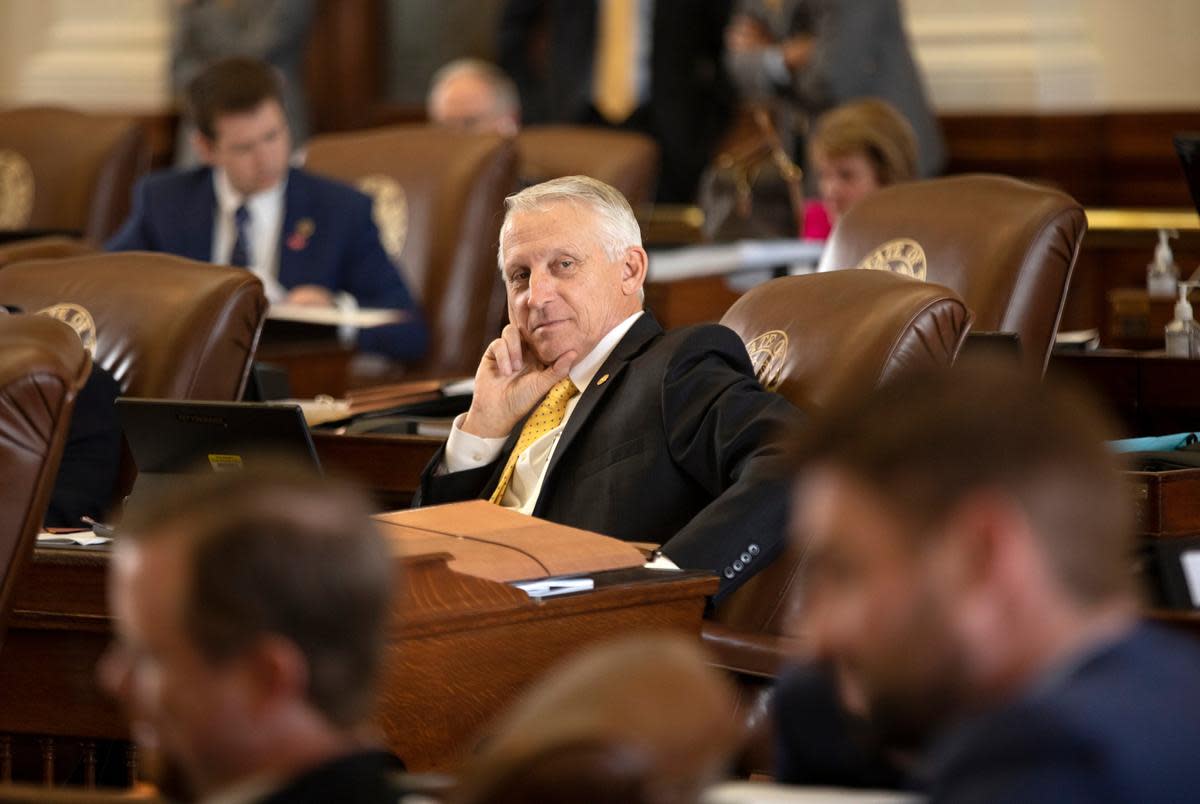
(264, 229)
(467, 451)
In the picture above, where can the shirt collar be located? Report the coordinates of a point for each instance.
(584, 370)
(229, 199)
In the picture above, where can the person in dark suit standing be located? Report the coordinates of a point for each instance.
(310, 240)
(587, 413)
(805, 57)
(969, 584)
(252, 613)
(648, 65)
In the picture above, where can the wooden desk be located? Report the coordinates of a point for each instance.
(387, 466)
(461, 649)
(1150, 393)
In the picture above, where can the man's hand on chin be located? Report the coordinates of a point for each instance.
(509, 382)
(310, 295)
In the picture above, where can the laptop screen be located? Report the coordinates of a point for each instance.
(172, 439)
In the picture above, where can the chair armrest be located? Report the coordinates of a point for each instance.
(748, 652)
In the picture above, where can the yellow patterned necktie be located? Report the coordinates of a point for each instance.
(545, 417)
(613, 91)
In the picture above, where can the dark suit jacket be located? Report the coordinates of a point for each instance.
(1124, 726)
(91, 458)
(173, 212)
(690, 99)
(676, 447)
(366, 777)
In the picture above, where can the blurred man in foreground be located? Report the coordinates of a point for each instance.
(969, 582)
(251, 617)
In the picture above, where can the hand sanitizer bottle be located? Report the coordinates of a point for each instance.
(1183, 334)
(1162, 274)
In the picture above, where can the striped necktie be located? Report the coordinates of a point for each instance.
(545, 417)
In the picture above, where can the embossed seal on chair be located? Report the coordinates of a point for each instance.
(16, 190)
(900, 256)
(767, 353)
(77, 317)
(389, 209)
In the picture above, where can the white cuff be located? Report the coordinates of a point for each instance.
(467, 451)
(661, 562)
(347, 305)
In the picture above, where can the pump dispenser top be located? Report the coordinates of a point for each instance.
(1162, 275)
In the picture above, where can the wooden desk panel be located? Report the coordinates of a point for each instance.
(461, 649)
(387, 466)
(1151, 393)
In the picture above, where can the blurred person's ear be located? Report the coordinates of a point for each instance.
(204, 147)
(277, 671)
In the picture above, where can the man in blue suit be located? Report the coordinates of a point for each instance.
(969, 584)
(311, 240)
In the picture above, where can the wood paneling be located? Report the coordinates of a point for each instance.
(1103, 159)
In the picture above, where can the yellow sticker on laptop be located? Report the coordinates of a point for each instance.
(225, 463)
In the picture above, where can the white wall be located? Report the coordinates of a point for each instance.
(91, 54)
(1058, 55)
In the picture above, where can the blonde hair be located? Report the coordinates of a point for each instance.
(871, 127)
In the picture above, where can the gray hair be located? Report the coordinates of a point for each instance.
(504, 89)
(618, 227)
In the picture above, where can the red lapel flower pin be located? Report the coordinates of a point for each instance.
(298, 239)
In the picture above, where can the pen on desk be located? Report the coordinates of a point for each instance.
(99, 528)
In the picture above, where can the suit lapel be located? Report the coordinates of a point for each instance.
(295, 207)
(643, 331)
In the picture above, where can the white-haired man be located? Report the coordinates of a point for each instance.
(587, 413)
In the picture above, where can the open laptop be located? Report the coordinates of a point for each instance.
(172, 440)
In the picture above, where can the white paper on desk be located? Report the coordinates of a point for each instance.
(321, 409)
(550, 587)
(363, 317)
(463, 387)
(716, 259)
(84, 538)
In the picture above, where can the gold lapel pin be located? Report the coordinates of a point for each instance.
(602, 380)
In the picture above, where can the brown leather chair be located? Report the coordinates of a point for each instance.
(439, 204)
(44, 248)
(640, 720)
(63, 169)
(625, 159)
(166, 327)
(42, 366)
(817, 339)
(1005, 246)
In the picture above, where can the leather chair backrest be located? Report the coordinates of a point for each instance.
(44, 248)
(439, 202)
(1005, 246)
(625, 159)
(63, 169)
(166, 327)
(42, 366)
(820, 338)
